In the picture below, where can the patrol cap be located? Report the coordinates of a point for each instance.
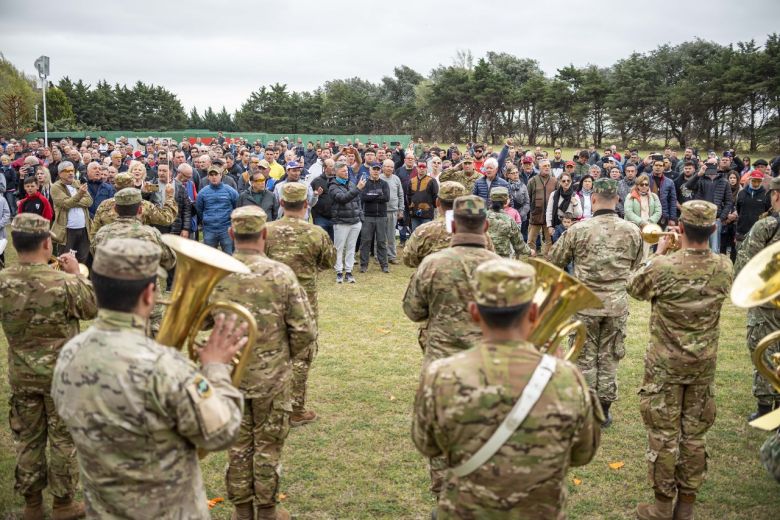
(503, 283)
(469, 206)
(127, 259)
(123, 180)
(451, 190)
(468, 160)
(294, 192)
(30, 223)
(127, 197)
(605, 186)
(248, 219)
(499, 193)
(698, 213)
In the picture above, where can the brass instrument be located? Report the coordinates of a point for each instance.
(558, 297)
(758, 283)
(54, 263)
(198, 270)
(652, 233)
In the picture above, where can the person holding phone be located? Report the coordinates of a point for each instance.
(711, 184)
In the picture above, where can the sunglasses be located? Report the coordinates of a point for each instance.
(645, 184)
(68, 170)
(564, 181)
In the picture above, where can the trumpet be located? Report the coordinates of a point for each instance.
(652, 233)
(558, 297)
(758, 284)
(56, 264)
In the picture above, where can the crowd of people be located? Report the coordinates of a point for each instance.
(288, 210)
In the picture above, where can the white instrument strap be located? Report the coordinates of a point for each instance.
(531, 394)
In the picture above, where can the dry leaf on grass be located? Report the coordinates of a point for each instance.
(282, 496)
(214, 501)
(617, 465)
(576, 481)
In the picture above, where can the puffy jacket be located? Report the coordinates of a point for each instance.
(100, 191)
(214, 206)
(713, 189)
(375, 196)
(264, 199)
(481, 187)
(634, 210)
(324, 205)
(667, 194)
(750, 205)
(346, 202)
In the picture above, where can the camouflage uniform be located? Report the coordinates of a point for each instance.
(438, 294)
(138, 409)
(770, 455)
(463, 398)
(687, 289)
(306, 249)
(286, 330)
(605, 250)
(503, 230)
(40, 309)
(461, 177)
(151, 214)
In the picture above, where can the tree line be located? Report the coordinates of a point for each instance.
(695, 93)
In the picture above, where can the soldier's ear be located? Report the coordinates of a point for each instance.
(474, 313)
(486, 226)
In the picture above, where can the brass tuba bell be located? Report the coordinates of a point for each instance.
(758, 283)
(558, 297)
(652, 233)
(198, 269)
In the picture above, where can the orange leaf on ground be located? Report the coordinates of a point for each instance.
(215, 501)
(576, 481)
(282, 496)
(617, 465)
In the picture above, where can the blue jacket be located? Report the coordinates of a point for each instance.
(668, 195)
(214, 206)
(481, 187)
(100, 191)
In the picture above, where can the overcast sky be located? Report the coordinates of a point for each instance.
(216, 53)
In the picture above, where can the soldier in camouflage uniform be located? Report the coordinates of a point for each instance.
(439, 293)
(686, 289)
(128, 207)
(286, 332)
(40, 309)
(770, 451)
(433, 236)
(463, 173)
(138, 410)
(764, 319)
(605, 250)
(463, 399)
(150, 214)
(306, 249)
(504, 231)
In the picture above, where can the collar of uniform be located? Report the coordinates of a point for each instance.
(120, 320)
(511, 344)
(35, 265)
(468, 239)
(604, 212)
(696, 251)
(245, 253)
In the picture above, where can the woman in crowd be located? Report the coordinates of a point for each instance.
(584, 193)
(728, 232)
(562, 200)
(642, 206)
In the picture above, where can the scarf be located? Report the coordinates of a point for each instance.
(561, 200)
(341, 181)
(655, 186)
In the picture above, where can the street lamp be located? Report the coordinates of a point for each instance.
(42, 64)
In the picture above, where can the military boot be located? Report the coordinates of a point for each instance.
(66, 508)
(683, 510)
(272, 513)
(244, 511)
(302, 417)
(662, 509)
(33, 506)
(608, 418)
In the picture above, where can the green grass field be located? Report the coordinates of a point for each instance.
(358, 461)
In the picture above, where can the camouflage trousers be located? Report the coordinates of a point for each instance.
(33, 419)
(300, 368)
(770, 455)
(603, 349)
(254, 461)
(763, 390)
(677, 418)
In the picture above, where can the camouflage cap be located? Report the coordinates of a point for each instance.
(469, 206)
(774, 183)
(451, 190)
(216, 168)
(30, 223)
(698, 213)
(123, 180)
(503, 283)
(248, 219)
(294, 192)
(605, 186)
(127, 259)
(264, 164)
(499, 193)
(127, 197)
(468, 160)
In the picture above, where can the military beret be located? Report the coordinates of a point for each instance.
(127, 259)
(469, 206)
(123, 180)
(248, 219)
(499, 193)
(294, 192)
(30, 223)
(698, 213)
(127, 197)
(605, 186)
(451, 190)
(774, 183)
(503, 283)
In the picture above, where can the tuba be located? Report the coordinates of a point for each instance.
(54, 263)
(652, 233)
(757, 284)
(198, 269)
(558, 297)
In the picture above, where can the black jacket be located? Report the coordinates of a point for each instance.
(750, 205)
(375, 196)
(346, 202)
(713, 189)
(264, 199)
(324, 206)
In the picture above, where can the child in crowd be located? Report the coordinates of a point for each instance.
(34, 202)
(566, 221)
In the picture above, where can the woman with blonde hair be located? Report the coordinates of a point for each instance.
(642, 206)
(138, 170)
(43, 176)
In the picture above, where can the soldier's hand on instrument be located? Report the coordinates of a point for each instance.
(225, 341)
(169, 190)
(663, 245)
(68, 262)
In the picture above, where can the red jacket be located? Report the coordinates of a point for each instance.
(36, 203)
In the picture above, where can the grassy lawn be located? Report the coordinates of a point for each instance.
(358, 461)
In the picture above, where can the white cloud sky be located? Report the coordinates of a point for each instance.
(217, 53)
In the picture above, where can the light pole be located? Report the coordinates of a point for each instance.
(42, 64)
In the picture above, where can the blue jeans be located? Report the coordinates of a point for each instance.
(218, 239)
(326, 224)
(715, 238)
(10, 197)
(419, 222)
